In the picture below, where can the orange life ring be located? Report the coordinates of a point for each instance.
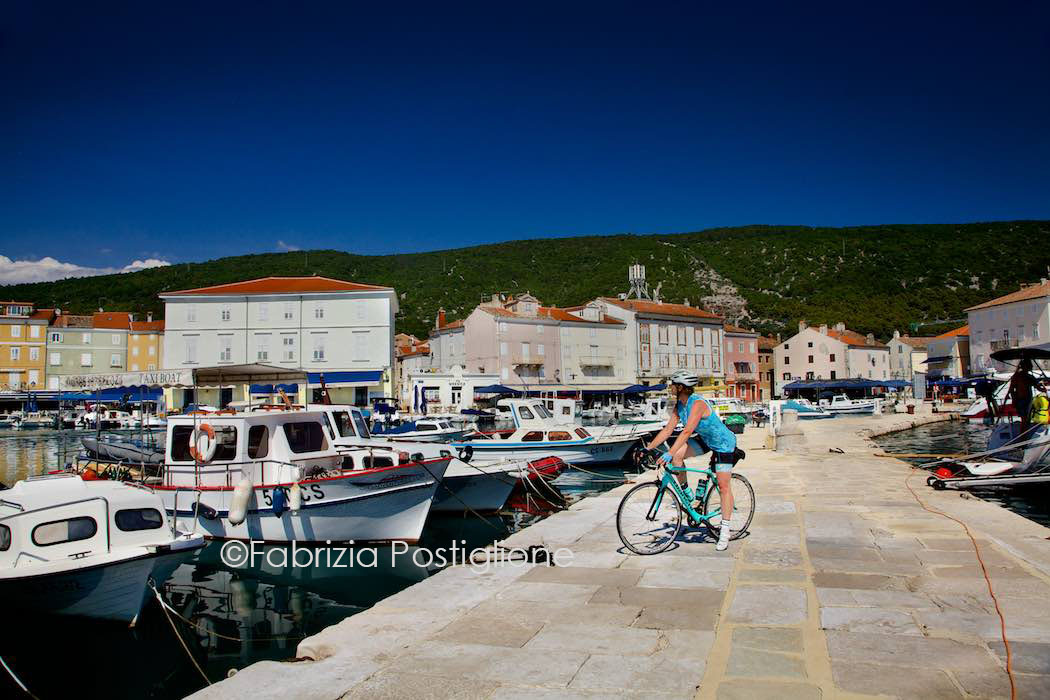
(203, 443)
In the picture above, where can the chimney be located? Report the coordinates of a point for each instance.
(778, 339)
(897, 334)
(870, 338)
(149, 317)
(441, 318)
(685, 302)
(802, 325)
(840, 326)
(824, 329)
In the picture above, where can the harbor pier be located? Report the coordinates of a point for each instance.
(846, 586)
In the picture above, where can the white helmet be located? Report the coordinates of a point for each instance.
(685, 378)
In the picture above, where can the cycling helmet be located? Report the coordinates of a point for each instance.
(685, 378)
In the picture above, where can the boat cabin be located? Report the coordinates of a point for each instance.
(58, 517)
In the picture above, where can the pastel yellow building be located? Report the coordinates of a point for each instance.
(145, 345)
(23, 345)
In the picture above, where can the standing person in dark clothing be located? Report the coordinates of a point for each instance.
(1020, 391)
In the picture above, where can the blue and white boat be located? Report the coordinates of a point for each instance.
(420, 430)
(537, 434)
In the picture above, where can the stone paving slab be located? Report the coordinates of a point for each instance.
(836, 592)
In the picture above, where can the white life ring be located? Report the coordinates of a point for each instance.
(203, 443)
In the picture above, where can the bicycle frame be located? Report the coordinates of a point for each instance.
(670, 482)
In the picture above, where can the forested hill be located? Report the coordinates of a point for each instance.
(876, 278)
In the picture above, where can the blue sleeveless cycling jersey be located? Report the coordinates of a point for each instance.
(710, 429)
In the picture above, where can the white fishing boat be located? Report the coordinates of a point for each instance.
(843, 404)
(83, 548)
(805, 410)
(111, 419)
(537, 433)
(474, 485)
(275, 476)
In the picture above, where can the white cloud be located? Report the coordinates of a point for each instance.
(287, 247)
(47, 269)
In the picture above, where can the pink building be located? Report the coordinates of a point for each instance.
(528, 344)
(741, 361)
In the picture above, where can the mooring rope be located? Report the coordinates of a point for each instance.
(987, 580)
(164, 607)
(16, 679)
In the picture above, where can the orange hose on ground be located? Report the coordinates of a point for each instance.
(987, 580)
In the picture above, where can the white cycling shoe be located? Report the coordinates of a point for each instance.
(723, 537)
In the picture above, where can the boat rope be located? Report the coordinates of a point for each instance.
(604, 478)
(441, 484)
(16, 679)
(165, 608)
(987, 580)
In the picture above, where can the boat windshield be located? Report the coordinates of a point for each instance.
(542, 410)
(362, 426)
(343, 425)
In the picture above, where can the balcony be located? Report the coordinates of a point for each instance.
(527, 360)
(742, 376)
(1005, 343)
(597, 361)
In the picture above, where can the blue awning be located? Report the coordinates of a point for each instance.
(134, 393)
(495, 389)
(274, 388)
(362, 378)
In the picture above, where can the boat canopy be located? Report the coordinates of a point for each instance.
(495, 389)
(858, 383)
(1041, 352)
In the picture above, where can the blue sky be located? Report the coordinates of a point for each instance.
(198, 130)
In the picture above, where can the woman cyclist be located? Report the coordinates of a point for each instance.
(699, 420)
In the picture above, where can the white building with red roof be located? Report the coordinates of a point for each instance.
(1019, 319)
(343, 330)
(661, 338)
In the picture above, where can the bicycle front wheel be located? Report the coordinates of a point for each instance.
(743, 507)
(648, 519)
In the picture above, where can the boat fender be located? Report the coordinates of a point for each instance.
(242, 493)
(295, 498)
(280, 501)
(1040, 411)
(203, 443)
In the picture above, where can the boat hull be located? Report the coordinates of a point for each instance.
(586, 453)
(376, 505)
(112, 591)
(481, 491)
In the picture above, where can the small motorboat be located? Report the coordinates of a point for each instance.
(845, 405)
(123, 451)
(84, 548)
(420, 430)
(805, 410)
(538, 433)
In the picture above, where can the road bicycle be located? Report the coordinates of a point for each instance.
(650, 515)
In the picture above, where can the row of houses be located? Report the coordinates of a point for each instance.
(343, 333)
(41, 345)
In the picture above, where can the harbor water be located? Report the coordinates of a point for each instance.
(229, 617)
(968, 437)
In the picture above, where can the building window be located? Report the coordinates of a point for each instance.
(135, 351)
(55, 338)
(1035, 330)
(786, 346)
(318, 348)
(539, 349)
(191, 313)
(525, 350)
(34, 354)
(502, 348)
(16, 354)
(114, 359)
(539, 330)
(16, 331)
(86, 338)
(833, 373)
(225, 348)
(288, 346)
(54, 359)
(225, 313)
(262, 348)
(152, 350)
(502, 326)
(114, 339)
(809, 375)
(752, 347)
(832, 357)
(318, 311)
(191, 350)
(787, 360)
(151, 367)
(34, 331)
(289, 310)
(787, 376)
(85, 359)
(264, 311)
(662, 333)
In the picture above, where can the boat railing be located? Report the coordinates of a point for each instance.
(175, 510)
(105, 502)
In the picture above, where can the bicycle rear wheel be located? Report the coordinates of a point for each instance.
(649, 518)
(743, 507)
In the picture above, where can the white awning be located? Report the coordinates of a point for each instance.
(199, 376)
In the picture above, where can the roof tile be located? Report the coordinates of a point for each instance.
(1032, 291)
(664, 309)
(279, 285)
